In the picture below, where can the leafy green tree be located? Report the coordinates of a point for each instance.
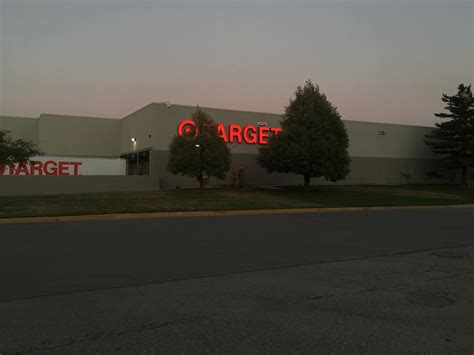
(200, 152)
(453, 139)
(15, 150)
(313, 141)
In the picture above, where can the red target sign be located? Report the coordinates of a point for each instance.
(248, 134)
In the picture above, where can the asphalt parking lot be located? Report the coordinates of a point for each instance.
(391, 281)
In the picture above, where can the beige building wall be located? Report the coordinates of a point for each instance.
(79, 136)
(154, 125)
(385, 140)
(147, 126)
(21, 127)
(381, 153)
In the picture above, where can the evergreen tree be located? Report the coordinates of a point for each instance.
(15, 150)
(313, 141)
(200, 153)
(454, 139)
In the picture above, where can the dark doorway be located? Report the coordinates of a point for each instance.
(138, 163)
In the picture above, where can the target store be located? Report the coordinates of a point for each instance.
(137, 145)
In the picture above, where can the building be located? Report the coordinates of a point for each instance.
(137, 144)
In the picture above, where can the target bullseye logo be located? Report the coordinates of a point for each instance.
(187, 127)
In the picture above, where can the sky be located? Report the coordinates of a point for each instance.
(384, 61)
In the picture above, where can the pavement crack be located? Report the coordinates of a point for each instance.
(352, 293)
(64, 342)
(450, 276)
(316, 298)
(239, 272)
(451, 254)
(429, 299)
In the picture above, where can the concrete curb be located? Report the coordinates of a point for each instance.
(155, 215)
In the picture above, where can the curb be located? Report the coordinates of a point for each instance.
(156, 215)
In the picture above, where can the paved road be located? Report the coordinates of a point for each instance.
(347, 282)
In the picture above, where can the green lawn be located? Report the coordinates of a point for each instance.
(229, 199)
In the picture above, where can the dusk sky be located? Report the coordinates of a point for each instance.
(387, 61)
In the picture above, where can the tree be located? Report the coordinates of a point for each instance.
(453, 139)
(200, 152)
(313, 141)
(15, 150)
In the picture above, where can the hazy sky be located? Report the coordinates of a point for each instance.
(386, 61)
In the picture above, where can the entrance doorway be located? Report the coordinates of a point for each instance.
(138, 163)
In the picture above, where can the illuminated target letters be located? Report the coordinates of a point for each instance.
(187, 127)
(49, 167)
(250, 134)
(234, 133)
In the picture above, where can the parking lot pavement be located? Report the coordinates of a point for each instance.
(418, 303)
(349, 292)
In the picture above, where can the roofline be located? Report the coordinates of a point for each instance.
(136, 111)
(74, 116)
(206, 107)
(390, 123)
(222, 109)
(281, 115)
(19, 117)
